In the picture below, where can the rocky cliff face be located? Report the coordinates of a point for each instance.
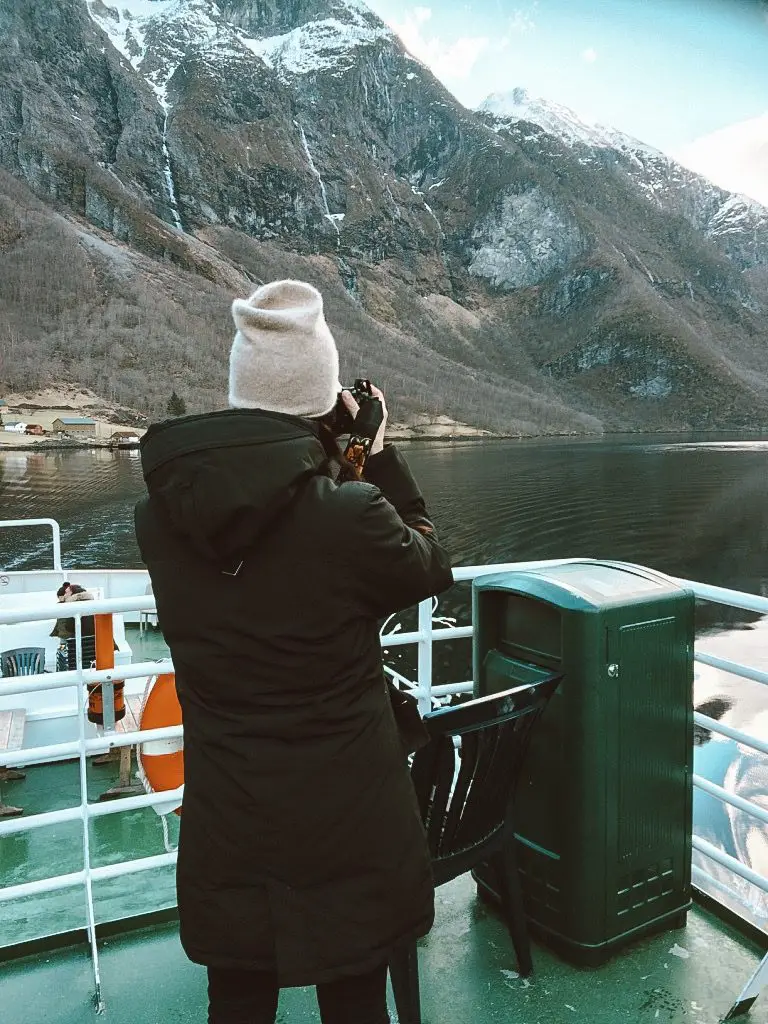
(487, 265)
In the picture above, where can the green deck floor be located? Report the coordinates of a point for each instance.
(689, 976)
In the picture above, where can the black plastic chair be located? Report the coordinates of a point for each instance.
(22, 661)
(466, 798)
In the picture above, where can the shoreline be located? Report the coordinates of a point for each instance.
(75, 444)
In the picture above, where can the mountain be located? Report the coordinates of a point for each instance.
(736, 224)
(160, 156)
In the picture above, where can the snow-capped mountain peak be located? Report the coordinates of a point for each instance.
(558, 120)
(156, 35)
(661, 180)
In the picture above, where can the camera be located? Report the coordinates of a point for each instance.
(341, 421)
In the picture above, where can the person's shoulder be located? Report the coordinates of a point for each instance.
(345, 503)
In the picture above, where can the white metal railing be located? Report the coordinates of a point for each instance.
(423, 637)
(55, 539)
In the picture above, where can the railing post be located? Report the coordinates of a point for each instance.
(56, 530)
(425, 656)
(89, 910)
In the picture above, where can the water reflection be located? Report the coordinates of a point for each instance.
(694, 508)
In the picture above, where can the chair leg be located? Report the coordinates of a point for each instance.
(404, 974)
(514, 907)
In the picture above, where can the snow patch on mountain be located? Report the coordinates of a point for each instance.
(156, 35)
(319, 45)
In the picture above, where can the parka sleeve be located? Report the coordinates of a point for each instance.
(398, 560)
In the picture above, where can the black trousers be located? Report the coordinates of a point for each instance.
(250, 997)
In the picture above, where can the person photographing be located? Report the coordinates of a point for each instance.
(273, 555)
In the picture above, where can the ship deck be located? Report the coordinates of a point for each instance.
(689, 976)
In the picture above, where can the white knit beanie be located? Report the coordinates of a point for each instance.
(283, 358)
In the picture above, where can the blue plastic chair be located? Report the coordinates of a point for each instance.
(466, 799)
(22, 661)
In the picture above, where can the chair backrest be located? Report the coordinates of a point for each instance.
(22, 661)
(465, 789)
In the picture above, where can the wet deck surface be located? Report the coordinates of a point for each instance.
(690, 976)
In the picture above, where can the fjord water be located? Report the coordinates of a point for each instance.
(695, 507)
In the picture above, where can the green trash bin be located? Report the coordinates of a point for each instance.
(603, 810)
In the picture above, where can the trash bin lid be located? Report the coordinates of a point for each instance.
(606, 581)
(582, 584)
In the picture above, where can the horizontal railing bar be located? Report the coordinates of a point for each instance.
(60, 882)
(133, 867)
(136, 803)
(734, 667)
(730, 798)
(31, 822)
(444, 633)
(401, 639)
(96, 810)
(97, 745)
(469, 572)
(726, 730)
(722, 595)
(77, 609)
(731, 863)
(54, 884)
(703, 876)
(64, 680)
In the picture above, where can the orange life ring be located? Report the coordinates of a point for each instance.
(162, 761)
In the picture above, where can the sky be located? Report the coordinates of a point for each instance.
(687, 76)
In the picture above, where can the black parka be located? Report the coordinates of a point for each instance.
(301, 849)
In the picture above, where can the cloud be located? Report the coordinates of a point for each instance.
(735, 157)
(589, 56)
(448, 60)
(522, 21)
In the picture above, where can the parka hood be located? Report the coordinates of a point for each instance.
(223, 478)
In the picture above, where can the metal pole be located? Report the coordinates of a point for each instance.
(425, 656)
(89, 911)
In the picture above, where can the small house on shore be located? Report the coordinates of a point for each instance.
(35, 429)
(15, 427)
(78, 426)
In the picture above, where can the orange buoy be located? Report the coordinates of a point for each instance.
(161, 761)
